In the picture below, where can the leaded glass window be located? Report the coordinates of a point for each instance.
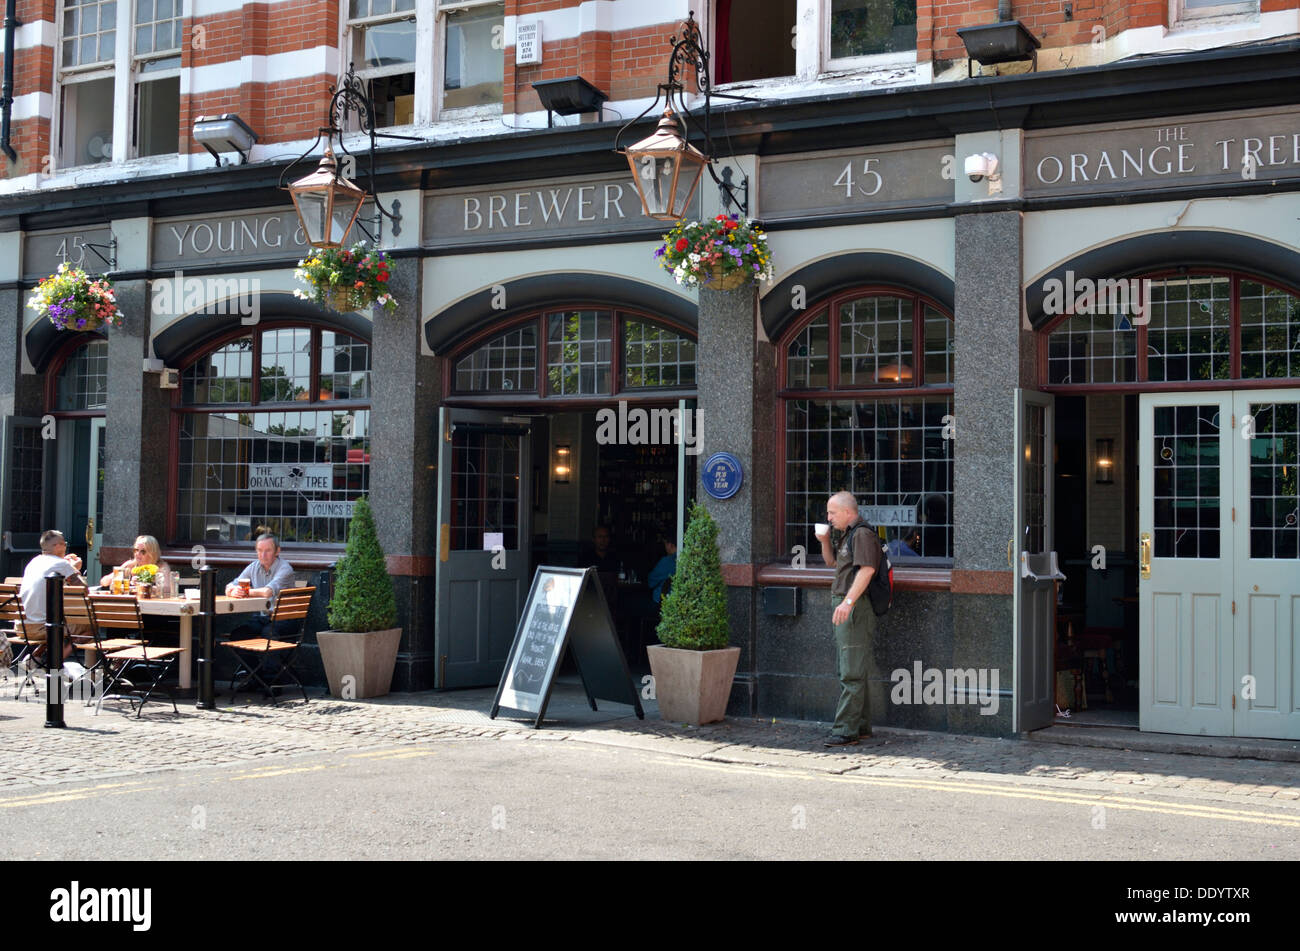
(656, 356)
(808, 357)
(83, 380)
(890, 452)
(506, 364)
(578, 348)
(1093, 348)
(1270, 332)
(261, 443)
(1190, 334)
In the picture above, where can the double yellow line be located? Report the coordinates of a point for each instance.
(1006, 791)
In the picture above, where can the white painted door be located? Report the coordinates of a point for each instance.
(1266, 537)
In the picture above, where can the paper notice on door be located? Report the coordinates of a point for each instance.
(493, 540)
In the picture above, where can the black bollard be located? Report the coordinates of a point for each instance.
(54, 650)
(207, 613)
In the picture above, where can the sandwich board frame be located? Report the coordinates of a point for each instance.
(565, 607)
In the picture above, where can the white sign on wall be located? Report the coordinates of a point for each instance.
(291, 476)
(528, 42)
(879, 515)
(330, 509)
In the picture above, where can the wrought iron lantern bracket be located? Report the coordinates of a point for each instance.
(349, 97)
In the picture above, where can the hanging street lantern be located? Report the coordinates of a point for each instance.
(327, 204)
(666, 169)
(665, 166)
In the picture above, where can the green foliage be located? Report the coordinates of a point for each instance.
(363, 591)
(694, 612)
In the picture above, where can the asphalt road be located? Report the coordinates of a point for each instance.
(501, 798)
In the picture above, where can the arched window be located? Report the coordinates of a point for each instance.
(586, 352)
(82, 381)
(275, 432)
(867, 384)
(1187, 328)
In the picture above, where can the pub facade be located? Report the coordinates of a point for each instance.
(1067, 392)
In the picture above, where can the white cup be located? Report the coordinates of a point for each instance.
(822, 529)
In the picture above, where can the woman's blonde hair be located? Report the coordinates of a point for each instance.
(152, 547)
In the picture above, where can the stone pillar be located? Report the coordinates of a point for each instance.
(736, 379)
(988, 341)
(137, 427)
(406, 389)
(20, 393)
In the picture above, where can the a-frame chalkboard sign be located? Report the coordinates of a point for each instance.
(565, 607)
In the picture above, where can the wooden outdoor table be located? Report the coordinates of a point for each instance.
(185, 609)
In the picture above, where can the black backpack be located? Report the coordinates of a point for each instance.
(880, 589)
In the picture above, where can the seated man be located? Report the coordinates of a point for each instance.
(267, 576)
(53, 557)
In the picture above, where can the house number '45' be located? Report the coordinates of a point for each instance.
(846, 178)
(78, 255)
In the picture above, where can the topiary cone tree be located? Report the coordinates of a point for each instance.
(363, 590)
(694, 612)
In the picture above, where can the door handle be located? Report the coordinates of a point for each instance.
(90, 531)
(1011, 544)
(1144, 555)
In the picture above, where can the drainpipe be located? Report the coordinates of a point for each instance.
(7, 90)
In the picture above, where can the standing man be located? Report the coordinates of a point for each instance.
(855, 561)
(267, 575)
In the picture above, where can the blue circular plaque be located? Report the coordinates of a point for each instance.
(722, 475)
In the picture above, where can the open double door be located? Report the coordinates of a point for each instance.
(1219, 566)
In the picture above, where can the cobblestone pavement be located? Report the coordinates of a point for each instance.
(112, 744)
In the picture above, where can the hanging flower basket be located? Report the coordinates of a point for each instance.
(345, 279)
(719, 280)
(722, 254)
(73, 300)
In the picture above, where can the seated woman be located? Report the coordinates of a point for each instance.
(146, 552)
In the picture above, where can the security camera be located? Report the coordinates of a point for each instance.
(169, 379)
(980, 165)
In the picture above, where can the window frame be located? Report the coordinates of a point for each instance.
(541, 394)
(1142, 381)
(833, 392)
(255, 405)
(126, 72)
(811, 58)
(443, 11)
(829, 64)
(55, 369)
(1180, 16)
(140, 76)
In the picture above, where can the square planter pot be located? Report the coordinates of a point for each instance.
(693, 686)
(369, 658)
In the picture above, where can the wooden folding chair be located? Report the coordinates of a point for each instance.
(278, 646)
(14, 622)
(117, 612)
(78, 611)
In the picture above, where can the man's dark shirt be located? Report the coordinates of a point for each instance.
(865, 554)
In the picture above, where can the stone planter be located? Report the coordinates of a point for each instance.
(693, 686)
(368, 658)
